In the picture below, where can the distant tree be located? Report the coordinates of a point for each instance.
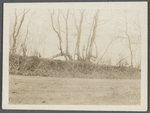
(16, 29)
(121, 59)
(65, 53)
(129, 40)
(87, 50)
(66, 23)
(107, 49)
(93, 36)
(24, 43)
(139, 41)
(131, 43)
(79, 30)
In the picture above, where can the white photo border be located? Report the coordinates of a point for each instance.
(143, 6)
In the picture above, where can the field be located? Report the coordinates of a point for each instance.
(73, 91)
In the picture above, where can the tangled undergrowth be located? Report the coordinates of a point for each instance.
(34, 66)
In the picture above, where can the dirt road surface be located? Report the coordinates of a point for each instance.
(72, 91)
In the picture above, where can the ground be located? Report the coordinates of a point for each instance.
(73, 91)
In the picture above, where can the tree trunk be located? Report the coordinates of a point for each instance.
(79, 30)
(95, 22)
(16, 33)
(57, 32)
(130, 47)
(66, 54)
(67, 47)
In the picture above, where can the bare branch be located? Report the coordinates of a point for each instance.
(22, 19)
(57, 32)
(16, 31)
(96, 49)
(126, 31)
(58, 21)
(79, 30)
(107, 49)
(65, 18)
(122, 60)
(88, 43)
(75, 23)
(61, 30)
(27, 30)
(67, 46)
(95, 22)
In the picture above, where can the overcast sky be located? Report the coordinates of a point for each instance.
(111, 25)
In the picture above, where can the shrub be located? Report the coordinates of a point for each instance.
(34, 66)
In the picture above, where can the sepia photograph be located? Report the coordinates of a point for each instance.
(75, 56)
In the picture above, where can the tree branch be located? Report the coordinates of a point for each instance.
(107, 49)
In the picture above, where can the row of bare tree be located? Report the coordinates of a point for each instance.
(17, 46)
(91, 39)
(82, 54)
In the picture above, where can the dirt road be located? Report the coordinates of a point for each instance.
(72, 91)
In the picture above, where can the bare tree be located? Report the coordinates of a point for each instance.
(88, 42)
(139, 41)
(107, 49)
(65, 53)
(87, 50)
(24, 43)
(17, 30)
(128, 37)
(92, 39)
(66, 23)
(57, 32)
(79, 30)
(122, 58)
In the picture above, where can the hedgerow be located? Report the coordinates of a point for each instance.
(34, 66)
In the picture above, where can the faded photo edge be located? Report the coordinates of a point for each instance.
(144, 75)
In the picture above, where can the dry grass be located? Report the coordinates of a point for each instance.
(56, 82)
(72, 91)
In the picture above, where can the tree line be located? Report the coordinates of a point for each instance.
(89, 51)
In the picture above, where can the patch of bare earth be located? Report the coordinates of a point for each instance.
(72, 91)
